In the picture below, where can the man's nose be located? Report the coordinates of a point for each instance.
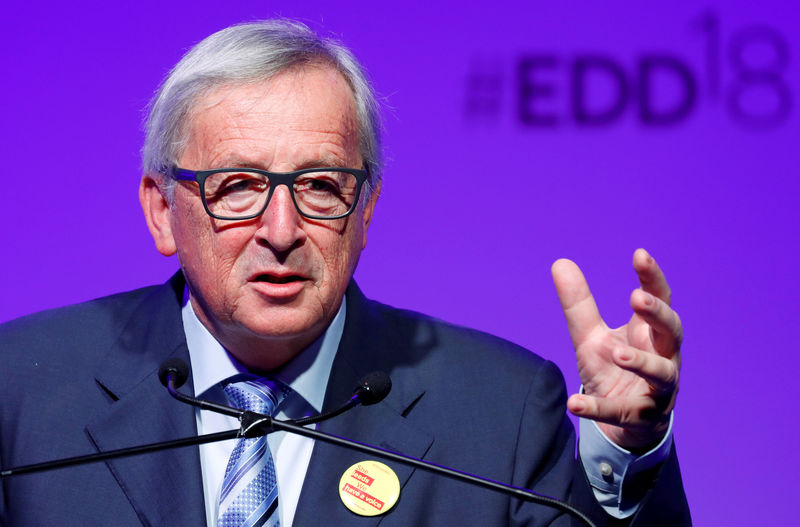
(281, 225)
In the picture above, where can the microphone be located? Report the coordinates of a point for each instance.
(371, 389)
(173, 373)
(176, 368)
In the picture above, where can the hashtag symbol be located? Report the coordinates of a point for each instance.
(484, 90)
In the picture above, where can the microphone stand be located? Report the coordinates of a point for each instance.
(170, 380)
(254, 425)
(119, 453)
(257, 424)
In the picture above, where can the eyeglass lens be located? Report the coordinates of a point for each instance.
(240, 194)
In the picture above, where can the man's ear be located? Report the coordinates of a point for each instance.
(369, 208)
(157, 212)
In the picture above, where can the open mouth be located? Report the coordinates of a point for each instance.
(272, 279)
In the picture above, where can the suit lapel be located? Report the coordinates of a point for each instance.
(361, 351)
(165, 488)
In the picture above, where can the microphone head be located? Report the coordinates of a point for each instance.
(373, 388)
(175, 367)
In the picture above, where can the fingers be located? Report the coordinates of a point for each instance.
(650, 276)
(667, 330)
(576, 300)
(631, 412)
(660, 373)
(640, 421)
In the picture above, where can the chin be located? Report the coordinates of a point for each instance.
(285, 323)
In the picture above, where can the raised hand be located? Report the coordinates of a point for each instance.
(630, 374)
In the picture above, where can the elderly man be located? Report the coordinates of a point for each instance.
(262, 172)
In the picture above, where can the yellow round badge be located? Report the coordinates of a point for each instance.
(369, 488)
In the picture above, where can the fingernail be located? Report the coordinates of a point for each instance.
(648, 299)
(578, 407)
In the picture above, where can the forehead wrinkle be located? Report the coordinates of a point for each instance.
(202, 139)
(279, 123)
(329, 152)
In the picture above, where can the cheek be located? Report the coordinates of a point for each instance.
(340, 250)
(207, 257)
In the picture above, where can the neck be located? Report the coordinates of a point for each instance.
(265, 355)
(260, 353)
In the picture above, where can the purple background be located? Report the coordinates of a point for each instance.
(474, 208)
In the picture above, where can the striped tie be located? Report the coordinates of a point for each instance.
(249, 494)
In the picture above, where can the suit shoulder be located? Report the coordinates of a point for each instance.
(452, 364)
(72, 324)
(460, 345)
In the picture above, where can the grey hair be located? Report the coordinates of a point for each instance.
(243, 54)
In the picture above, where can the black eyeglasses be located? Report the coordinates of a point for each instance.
(244, 193)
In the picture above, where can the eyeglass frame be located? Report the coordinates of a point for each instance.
(275, 179)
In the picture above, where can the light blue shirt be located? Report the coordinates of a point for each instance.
(608, 465)
(307, 375)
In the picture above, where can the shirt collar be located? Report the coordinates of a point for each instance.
(307, 373)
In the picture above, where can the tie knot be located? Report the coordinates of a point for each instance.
(261, 396)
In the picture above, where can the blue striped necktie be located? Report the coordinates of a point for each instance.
(249, 494)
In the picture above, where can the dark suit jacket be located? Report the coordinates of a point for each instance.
(84, 378)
